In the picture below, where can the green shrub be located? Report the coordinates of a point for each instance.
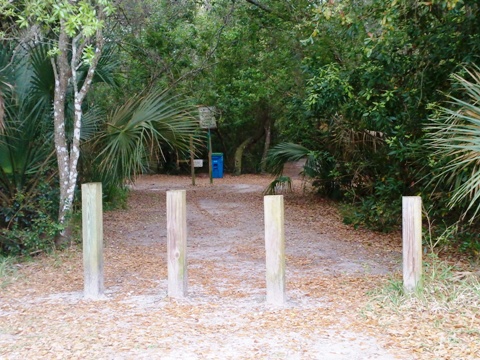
(28, 221)
(39, 237)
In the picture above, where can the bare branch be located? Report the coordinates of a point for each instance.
(267, 9)
(261, 6)
(2, 113)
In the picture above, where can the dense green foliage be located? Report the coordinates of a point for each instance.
(454, 134)
(373, 103)
(28, 189)
(117, 138)
(363, 90)
(368, 107)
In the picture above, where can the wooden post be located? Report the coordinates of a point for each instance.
(177, 243)
(210, 156)
(412, 242)
(92, 231)
(275, 249)
(192, 158)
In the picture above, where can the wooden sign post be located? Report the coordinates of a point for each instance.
(177, 243)
(275, 249)
(192, 160)
(207, 121)
(210, 169)
(412, 242)
(92, 234)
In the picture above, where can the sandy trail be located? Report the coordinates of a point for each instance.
(329, 269)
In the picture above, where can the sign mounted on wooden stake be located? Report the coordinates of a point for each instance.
(207, 117)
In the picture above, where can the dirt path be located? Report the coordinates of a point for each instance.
(329, 269)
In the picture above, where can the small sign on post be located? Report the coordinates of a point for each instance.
(92, 234)
(207, 121)
(207, 117)
(412, 242)
(198, 163)
(275, 249)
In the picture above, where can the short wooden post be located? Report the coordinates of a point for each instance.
(275, 249)
(412, 242)
(177, 243)
(92, 231)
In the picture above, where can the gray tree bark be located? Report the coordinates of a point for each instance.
(65, 72)
(268, 139)
(239, 152)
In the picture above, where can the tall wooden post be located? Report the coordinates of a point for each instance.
(192, 162)
(92, 231)
(412, 242)
(275, 249)
(177, 243)
(210, 156)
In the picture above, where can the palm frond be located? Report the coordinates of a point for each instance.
(279, 185)
(90, 123)
(282, 153)
(455, 136)
(6, 86)
(106, 68)
(138, 126)
(42, 80)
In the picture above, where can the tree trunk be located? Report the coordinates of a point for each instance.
(268, 138)
(239, 152)
(65, 71)
(61, 68)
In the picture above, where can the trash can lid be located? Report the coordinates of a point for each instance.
(217, 154)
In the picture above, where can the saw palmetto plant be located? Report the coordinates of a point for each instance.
(455, 135)
(133, 131)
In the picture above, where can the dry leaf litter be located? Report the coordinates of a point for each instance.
(330, 270)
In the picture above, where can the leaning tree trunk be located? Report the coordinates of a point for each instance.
(239, 155)
(239, 152)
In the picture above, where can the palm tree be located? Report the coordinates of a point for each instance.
(28, 199)
(455, 136)
(137, 130)
(318, 166)
(121, 140)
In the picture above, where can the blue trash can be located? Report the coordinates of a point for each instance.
(217, 165)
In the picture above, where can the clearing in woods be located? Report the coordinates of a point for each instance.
(330, 267)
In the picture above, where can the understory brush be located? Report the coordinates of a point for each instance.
(115, 197)
(7, 270)
(440, 319)
(446, 287)
(28, 225)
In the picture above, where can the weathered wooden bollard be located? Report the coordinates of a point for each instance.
(275, 249)
(92, 234)
(412, 242)
(177, 243)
